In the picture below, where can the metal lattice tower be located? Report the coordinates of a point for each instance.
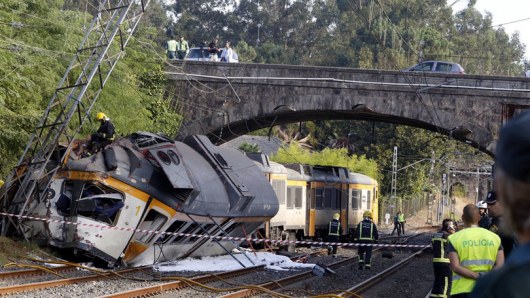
(102, 46)
(394, 179)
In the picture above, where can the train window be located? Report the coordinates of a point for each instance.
(319, 196)
(355, 196)
(186, 230)
(279, 189)
(298, 197)
(290, 198)
(335, 199)
(369, 199)
(329, 196)
(99, 202)
(153, 221)
(173, 228)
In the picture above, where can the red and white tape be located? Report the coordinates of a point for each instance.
(256, 240)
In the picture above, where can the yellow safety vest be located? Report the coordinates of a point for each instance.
(477, 250)
(172, 45)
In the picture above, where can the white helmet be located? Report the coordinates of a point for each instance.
(482, 205)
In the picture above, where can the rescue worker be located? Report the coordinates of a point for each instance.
(440, 261)
(396, 225)
(182, 48)
(402, 221)
(473, 251)
(485, 220)
(512, 188)
(366, 233)
(496, 225)
(334, 232)
(104, 135)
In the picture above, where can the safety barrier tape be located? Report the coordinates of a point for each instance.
(256, 240)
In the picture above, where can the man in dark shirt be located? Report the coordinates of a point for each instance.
(214, 50)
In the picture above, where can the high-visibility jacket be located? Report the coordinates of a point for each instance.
(401, 217)
(172, 45)
(183, 46)
(439, 247)
(334, 228)
(366, 231)
(477, 250)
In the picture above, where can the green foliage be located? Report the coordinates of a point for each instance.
(36, 46)
(249, 148)
(327, 157)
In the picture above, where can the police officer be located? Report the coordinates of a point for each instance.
(473, 251)
(366, 233)
(334, 232)
(485, 220)
(171, 48)
(512, 186)
(440, 261)
(496, 224)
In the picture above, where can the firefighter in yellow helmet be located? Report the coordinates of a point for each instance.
(104, 135)
(366, 235)
(334, 232)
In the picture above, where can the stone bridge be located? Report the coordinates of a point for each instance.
(225, 100)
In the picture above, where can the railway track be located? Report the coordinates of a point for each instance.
(238, 283)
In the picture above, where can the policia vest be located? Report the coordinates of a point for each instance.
(477, 250)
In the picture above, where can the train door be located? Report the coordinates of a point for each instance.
(295, 207)
(311, 208)
(344, 214)
(153, 219)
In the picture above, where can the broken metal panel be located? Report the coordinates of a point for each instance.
(170, 162)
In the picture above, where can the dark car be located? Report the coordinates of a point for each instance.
(437, 66)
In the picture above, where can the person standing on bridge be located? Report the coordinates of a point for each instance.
(182, 48)
(214, 50)
(366, 235)
(334, 232)
(440, 260)
(171, 48)
(512, 188)
(473, 251)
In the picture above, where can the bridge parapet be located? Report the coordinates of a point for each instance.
(234, 98)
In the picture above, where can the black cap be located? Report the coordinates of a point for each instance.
(512, 153)
(491, 198)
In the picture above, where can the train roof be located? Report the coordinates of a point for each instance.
(193, 176)
(265, 164)
(361, 178)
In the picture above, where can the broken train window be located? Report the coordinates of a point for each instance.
(153, 221)
(99, 202)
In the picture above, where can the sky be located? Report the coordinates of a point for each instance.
(225, 263)
(503, 12)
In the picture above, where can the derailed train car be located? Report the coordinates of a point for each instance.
(147, 182)
(309, 196)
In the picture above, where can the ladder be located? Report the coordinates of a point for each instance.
(96, 57)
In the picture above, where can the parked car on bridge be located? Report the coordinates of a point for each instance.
(437, 66)
(198, 54)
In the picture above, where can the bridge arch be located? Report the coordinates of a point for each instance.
(233, 99)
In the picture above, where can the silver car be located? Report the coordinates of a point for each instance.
(437, 66)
